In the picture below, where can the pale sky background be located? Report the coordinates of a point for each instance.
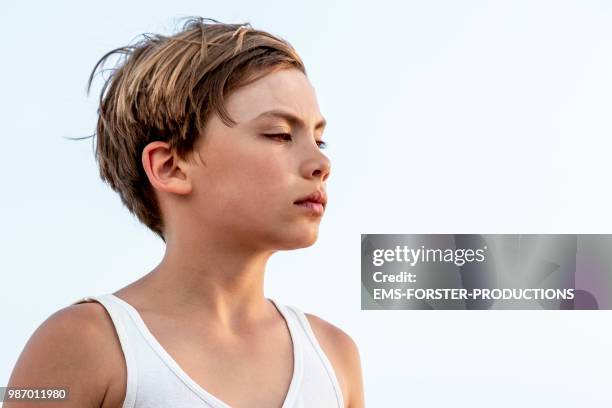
(444, 117)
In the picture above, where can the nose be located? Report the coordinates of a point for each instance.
(318, 166)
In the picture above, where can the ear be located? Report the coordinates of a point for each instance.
(164, 169)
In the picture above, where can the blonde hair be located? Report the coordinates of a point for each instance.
(165, 88)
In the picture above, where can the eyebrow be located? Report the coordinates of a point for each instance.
(290, 117)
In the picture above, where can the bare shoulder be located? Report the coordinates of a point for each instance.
(341, 341)
(343, 353)
(75, 348)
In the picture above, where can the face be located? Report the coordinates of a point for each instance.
(252, 173)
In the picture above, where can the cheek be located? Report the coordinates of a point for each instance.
(250, 180)
(266, 182)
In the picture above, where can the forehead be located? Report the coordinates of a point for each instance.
(286, 89)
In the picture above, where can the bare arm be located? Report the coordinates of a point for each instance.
(344, 356)
(68, 350)
(348, 356)
(354, 373)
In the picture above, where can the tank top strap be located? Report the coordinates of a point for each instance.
(120, 319)
(315, 347)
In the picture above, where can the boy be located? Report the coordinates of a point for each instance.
(212, 138)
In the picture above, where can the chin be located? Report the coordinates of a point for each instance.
(300, 241)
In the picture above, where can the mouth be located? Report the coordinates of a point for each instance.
(312, 207)
(314, 203)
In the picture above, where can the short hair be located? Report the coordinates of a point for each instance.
(165, 88)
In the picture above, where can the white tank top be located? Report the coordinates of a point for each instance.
(155, 380)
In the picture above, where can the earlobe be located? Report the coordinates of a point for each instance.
(163, 169)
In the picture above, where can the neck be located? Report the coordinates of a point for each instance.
(215, 279)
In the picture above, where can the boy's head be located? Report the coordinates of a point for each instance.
(167, 90)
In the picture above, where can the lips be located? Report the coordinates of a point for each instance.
(318, 197)
(311, 207)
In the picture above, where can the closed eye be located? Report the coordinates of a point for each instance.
(287, 137)
(283, 136)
